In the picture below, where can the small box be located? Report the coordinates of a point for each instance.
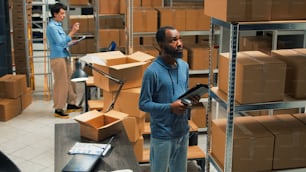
(198, 115)
(128, 68)
(288, 10)
(98, 126)
(123, 7)
(12, 86)
(9, 108)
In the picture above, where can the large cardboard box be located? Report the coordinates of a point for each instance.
(193, 16)
(9, 108)
(259, 77)
(238, 10)
(144, 20)
(12, 86)
(288, 9)
(290, 140)
(128, 68)
(98, 126)
(295, 74)
(252, 144)
(175, 17)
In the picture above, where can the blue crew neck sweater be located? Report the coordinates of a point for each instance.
(161, 86)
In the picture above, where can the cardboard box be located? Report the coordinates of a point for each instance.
(109, 7)
(196, 79)
(295, 74)
(127, 102)
(9, 108)
(301, 117)
(12, 86)
(138, 148)
(259, 77)
(288, 10)
(252, 144)
(128, 68)
(198, 115)
(131, 128)
(147, 49)
(78, 2)
(175, 17)
(193, 16)
(26, 99)
(152, 3)
(82, 19)
(238, 10)
(98, 126)
(136, 3)
(106, 36)
(144, 20)
(198, 57)
(290, 140)
(274, 112)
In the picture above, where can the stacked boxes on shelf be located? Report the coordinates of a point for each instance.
(263, 143)
(15, 96)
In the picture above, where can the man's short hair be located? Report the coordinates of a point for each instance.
(57, 7)
(161, 33)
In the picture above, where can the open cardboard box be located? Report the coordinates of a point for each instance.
(97, 126)
(128, 68)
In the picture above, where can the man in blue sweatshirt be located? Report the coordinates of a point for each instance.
(163, 82)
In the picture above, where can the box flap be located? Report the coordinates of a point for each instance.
(101, 58)
(141, 56)
(127, 65)
(85, 117)
(116, 114)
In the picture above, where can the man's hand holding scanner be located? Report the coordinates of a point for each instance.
(180, 106)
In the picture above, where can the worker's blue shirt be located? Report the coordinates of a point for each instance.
(161, 86)
(57, 40)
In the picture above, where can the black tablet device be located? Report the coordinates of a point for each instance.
(198, 89)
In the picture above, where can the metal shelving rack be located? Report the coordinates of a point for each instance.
(228, 101)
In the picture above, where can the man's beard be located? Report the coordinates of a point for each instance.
(174, 53)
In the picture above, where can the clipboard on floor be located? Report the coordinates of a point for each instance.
(199, 89)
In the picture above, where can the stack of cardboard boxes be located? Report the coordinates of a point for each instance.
(263, 143)
(15, 96)
(130, 69)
